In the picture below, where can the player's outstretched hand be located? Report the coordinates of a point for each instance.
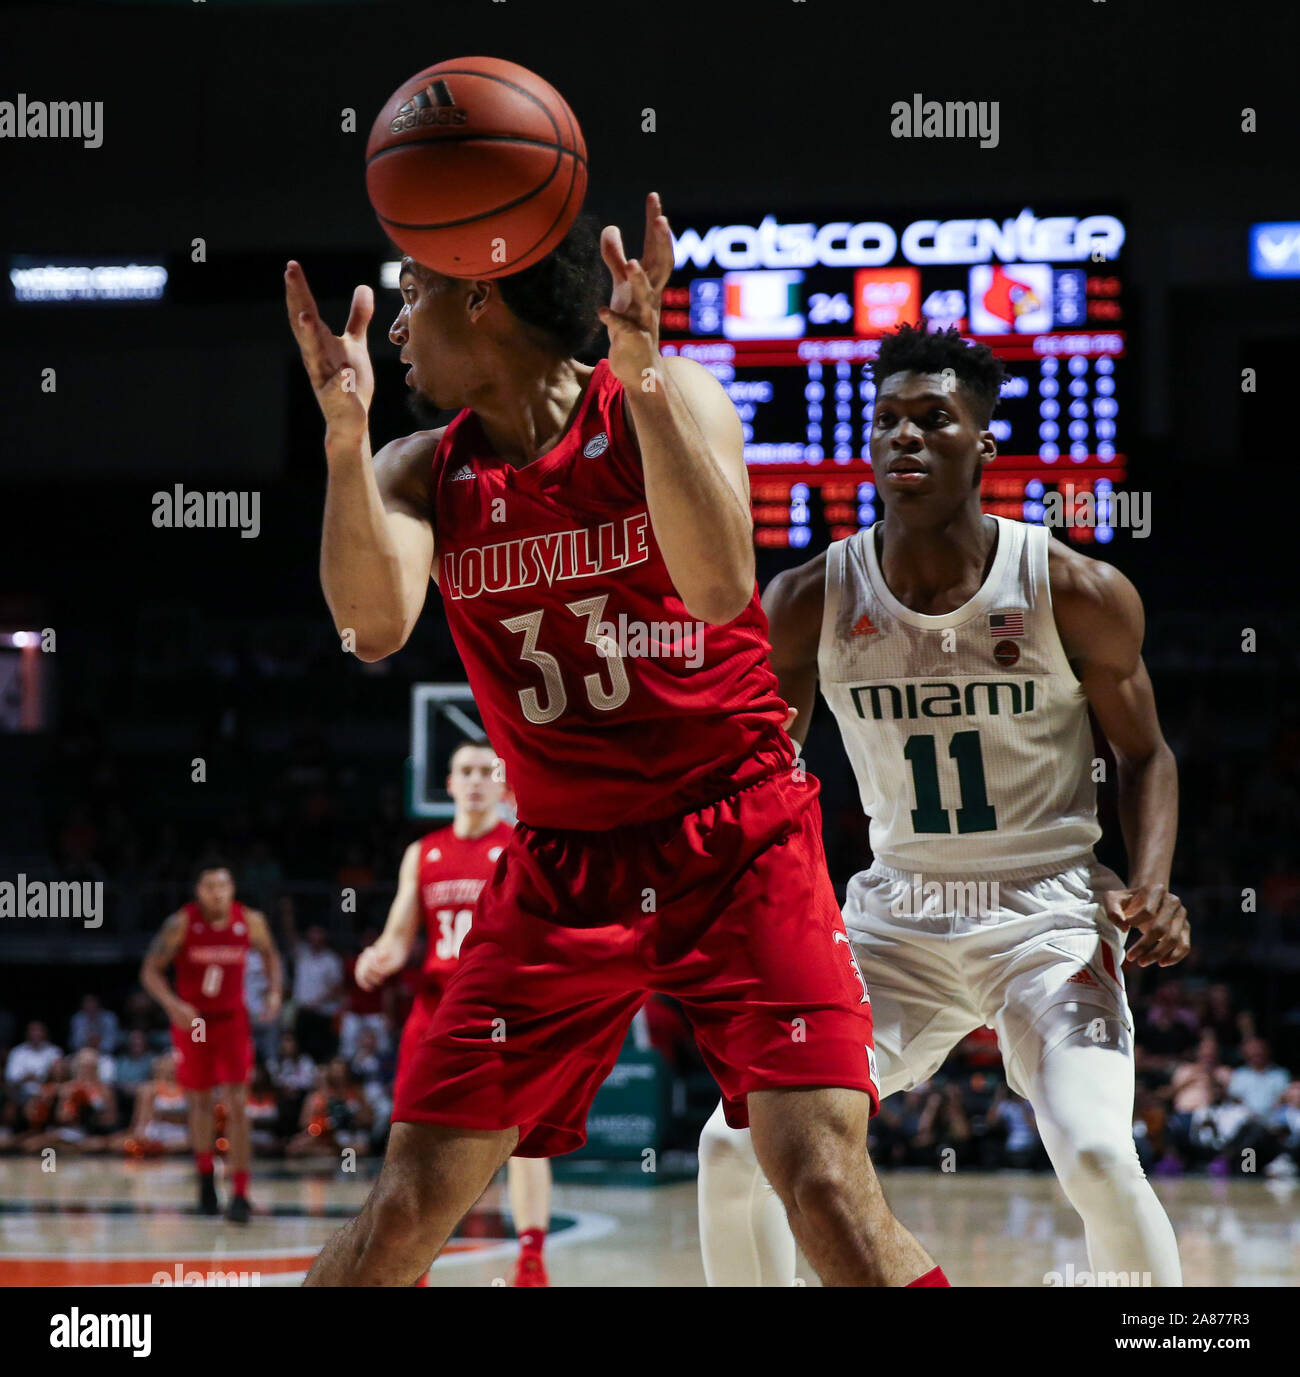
(338, 365)
(1159, 915)
(632, 316)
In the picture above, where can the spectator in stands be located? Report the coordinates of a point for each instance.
(1194, 1088)
(1286, 1128)
(365, 1009)
(134, 1064)
(36, 1108)
(1258, 1084)
(1148, 1127)
(370, 1064)
(83, 1114)
(335, 1116)
(28, 1066)
(93, 1019)
(372, 1067)
(1013, 1118)
(107, 1066)
(944, 1126)
(317, 986)
(293, 1074)
(264, 1114)
(1167, 1030)
(160, 1121)
(895, 1127)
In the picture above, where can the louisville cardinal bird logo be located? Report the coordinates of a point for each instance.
(1008, 298)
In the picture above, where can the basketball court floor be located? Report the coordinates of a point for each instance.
(108, 1222)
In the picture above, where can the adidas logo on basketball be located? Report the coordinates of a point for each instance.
(434, 105)
(462, 475)
(598, 444)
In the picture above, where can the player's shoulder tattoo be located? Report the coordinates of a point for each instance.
(168, 937)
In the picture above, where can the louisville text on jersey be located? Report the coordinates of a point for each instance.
(556, 557)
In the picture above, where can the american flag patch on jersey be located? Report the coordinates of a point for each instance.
(1002, 624)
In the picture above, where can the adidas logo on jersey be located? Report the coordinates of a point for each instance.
(863, 627)
(462, 475)
(1083, 976)
(598, 444)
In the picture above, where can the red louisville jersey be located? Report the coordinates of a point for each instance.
(453, 871)
(607, 701)
(210, 963)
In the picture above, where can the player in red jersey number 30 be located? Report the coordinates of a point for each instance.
(590, 532)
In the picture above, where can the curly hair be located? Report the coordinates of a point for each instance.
(560, 295)
(910, 349)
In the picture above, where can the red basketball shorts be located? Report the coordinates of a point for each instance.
(729, 910)
(224, 1056)
(423, 1008)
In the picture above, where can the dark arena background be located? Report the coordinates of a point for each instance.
(1126, 235)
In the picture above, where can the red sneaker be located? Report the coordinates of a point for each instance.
(530, 1270)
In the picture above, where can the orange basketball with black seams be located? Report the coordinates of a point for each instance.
(476, 167)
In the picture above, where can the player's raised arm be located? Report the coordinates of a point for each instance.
(377, 543)
(162, 952)
(793, 602)
(1101, 621)
(692, 455)
(391, 951)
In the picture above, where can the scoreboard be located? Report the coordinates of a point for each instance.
(788, 315)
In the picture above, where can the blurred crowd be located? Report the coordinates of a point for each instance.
(1209, 1095)
(311, 812)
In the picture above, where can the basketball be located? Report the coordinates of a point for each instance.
(476, 167)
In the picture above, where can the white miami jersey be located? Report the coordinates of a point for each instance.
(968, 732)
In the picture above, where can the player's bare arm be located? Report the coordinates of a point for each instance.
(793, 602)
(153, 978)
(692, 447)
(392, 950)
(260, 939)
(1100, 617)
(377, 542)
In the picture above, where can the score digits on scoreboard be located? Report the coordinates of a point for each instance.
(789, 315)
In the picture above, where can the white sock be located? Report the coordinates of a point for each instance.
(745, 1236)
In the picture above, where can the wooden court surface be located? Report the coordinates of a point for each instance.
(97, 1222)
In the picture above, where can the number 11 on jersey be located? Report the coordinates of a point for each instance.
(976, 813)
